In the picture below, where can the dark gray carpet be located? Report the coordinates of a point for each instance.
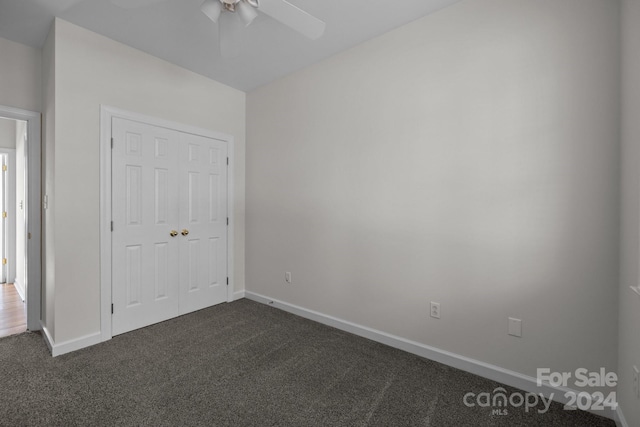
(243, 364)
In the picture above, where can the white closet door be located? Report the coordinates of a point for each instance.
(145, 180)
(169, 211)
(203, 201)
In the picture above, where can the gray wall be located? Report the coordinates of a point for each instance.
(20, 76)
(7, 133)
(629, 350)
(48, 150)
(470, 158)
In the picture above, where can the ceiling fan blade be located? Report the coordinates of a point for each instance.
(134, 4)
(231, 35)
(294, 17)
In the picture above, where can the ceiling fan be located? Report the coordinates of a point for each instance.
(280, 10)
(232, 15)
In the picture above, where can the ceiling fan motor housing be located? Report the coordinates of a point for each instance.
(230, 5)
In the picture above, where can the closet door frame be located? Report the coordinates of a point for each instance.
(107, 114)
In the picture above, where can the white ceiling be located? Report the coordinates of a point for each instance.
(176, 31)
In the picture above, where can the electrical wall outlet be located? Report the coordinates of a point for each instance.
(636, 382)
(435, 310)
(287, 277)
(515, 327)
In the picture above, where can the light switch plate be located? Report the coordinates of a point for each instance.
(515, 327)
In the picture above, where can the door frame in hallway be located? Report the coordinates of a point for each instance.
(107, 114)
(33, 208)
(10, 222)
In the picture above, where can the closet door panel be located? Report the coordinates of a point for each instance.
(145, 182)
(203, 257)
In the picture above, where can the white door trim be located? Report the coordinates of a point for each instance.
(33, 208)
(106, 115)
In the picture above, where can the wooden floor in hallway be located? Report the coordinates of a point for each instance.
(13, 316)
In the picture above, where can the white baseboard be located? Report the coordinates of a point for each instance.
(46, 335)
(238, 295)
(485, 370)
(19, 289)
(58, 349)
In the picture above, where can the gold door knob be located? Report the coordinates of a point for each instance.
(173, 233)
(185, 231)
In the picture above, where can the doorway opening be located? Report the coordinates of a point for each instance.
(13, 313)
(20, 219)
